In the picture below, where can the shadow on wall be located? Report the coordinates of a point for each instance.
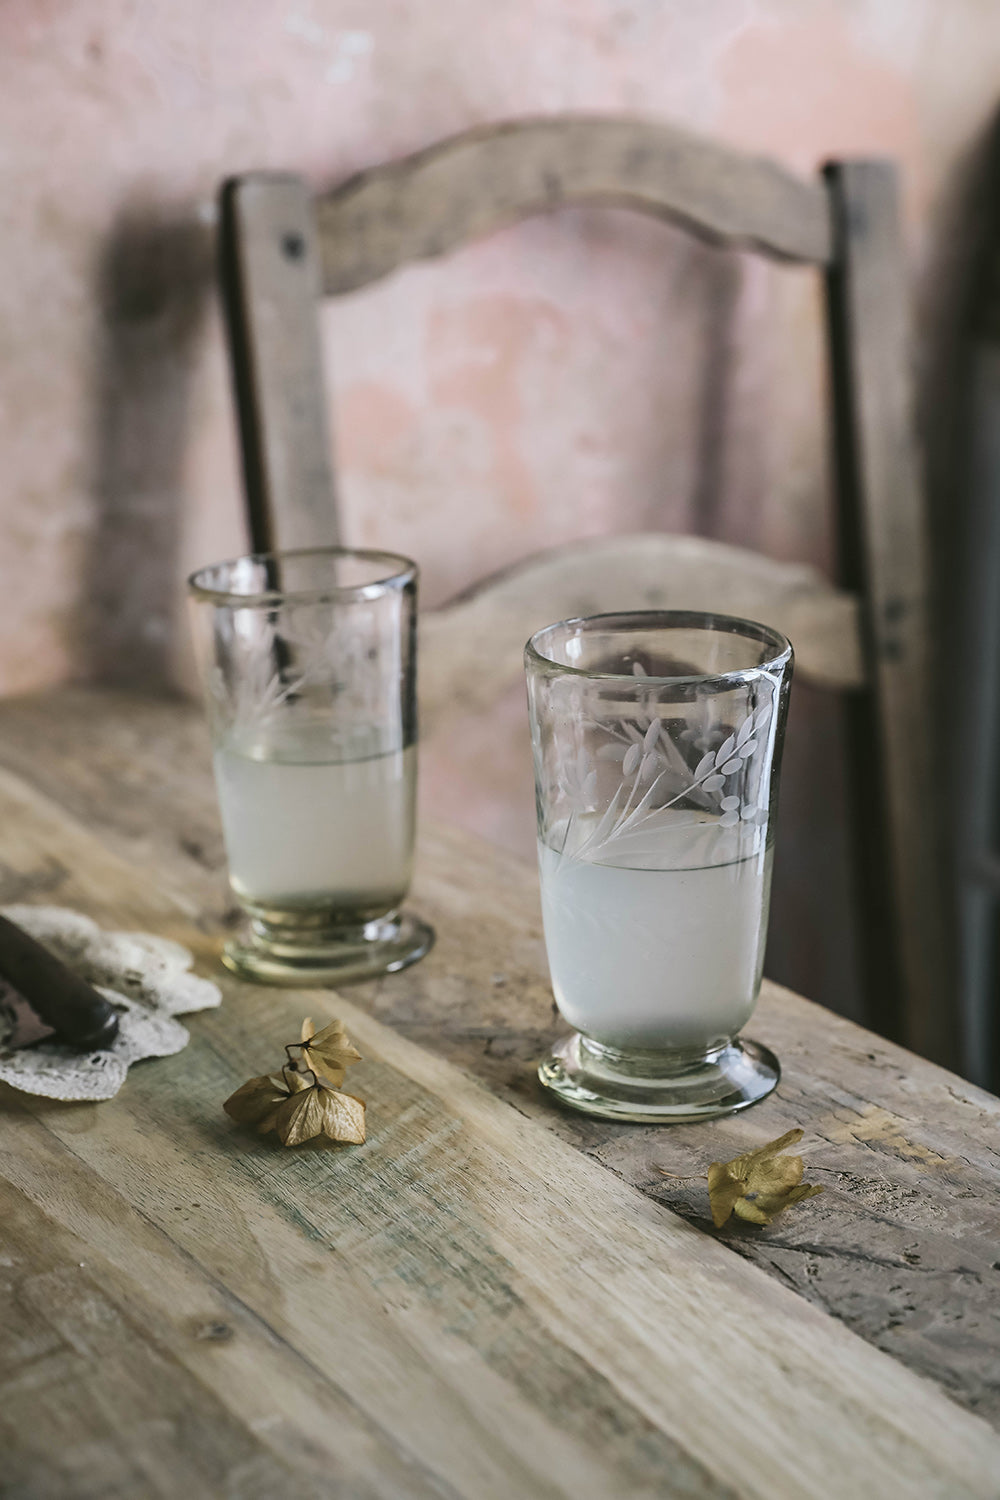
(153, 280)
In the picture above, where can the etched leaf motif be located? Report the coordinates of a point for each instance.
(648, 767)
(656, 775)
(577, 779)
(725, 750)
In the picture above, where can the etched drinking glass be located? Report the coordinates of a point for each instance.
(657, 742)
(309, 666)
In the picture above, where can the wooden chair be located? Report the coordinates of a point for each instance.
(283, 250)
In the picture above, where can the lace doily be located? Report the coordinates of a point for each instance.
(146, 979)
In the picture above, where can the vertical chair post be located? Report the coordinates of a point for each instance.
(884, 556)
(272, 285)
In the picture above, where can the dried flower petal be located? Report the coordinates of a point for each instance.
(758, 1185)
(252, 1103)
(300, 1118)
(343, 1116)
(304, 1102)
(328, 1052)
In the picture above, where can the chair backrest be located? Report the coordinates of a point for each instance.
(283, 250)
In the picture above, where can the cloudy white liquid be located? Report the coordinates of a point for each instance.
(658, 943)
(306, 832)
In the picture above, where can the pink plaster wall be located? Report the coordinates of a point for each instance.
(552, 381)
(582, 373)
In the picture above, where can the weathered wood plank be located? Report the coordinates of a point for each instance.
(473, 647)
(476, 182)
(903, 1244)
(126, 1371)
(516, 1319)
(884, 556)
(271, 287)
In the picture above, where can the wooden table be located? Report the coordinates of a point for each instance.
(490, 1298)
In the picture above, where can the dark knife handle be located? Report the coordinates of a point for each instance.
(77, 1013)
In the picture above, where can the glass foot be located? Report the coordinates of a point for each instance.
(317, 958)
(655, 1087)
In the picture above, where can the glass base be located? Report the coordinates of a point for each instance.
(313, 957)
(658, 1087)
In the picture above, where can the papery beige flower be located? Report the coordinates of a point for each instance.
(758, 1185)
(300, 1118)
(343, 1116)
(305, 1102)
(328, 1053)
(255, 1101)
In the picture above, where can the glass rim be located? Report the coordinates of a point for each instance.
(400, 571)
(667, 619)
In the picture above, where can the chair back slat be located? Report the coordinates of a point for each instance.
(433, 201)
(271, 283)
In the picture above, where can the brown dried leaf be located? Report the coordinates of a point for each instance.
(343, 1116)
(255, 1101)
(328, 1052)
(758, 1185)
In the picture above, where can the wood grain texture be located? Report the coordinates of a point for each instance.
(901, 1247)
(269, 262)
(474, 1307)
(472, 648)
(476, 182)
(884, 556)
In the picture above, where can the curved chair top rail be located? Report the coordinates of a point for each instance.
(491, 622)
(483, 179)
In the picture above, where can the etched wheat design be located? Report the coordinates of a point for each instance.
(648, 757)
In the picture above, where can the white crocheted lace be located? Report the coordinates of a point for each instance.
(146, 979)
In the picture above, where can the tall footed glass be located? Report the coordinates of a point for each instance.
(657, 743)
(309, 666)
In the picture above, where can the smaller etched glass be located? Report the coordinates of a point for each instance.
(657, 742)
(309, 666)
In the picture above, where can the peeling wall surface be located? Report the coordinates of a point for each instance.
(586, 372)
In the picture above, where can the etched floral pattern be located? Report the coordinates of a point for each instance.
(263, 663)
(657, 775)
